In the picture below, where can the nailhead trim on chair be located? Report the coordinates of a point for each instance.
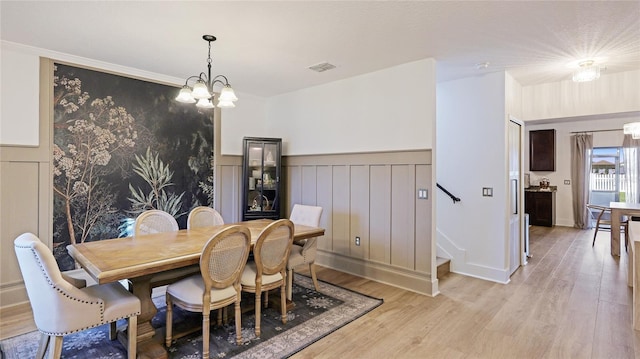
(93, 326)
(102, 321)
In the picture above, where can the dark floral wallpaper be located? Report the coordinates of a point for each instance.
(122, 146)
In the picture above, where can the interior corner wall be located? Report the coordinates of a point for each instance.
(564, 196)
(513, 97)
(471, 154)
(248, 118)
(387, 110)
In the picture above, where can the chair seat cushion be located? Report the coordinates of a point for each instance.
(190, 290)
(295, 257)
(118, 302)
(249, 276)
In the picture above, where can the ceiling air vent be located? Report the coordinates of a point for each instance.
(322, 67)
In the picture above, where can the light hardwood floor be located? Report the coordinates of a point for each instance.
(570, 301)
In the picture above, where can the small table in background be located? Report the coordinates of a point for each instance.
(619, 209)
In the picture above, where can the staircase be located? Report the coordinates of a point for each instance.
(443, 266)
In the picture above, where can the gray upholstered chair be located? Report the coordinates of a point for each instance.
(268, 271)
(157, 221)
(59, 308)
(303, 252)
(218, 285)
(204, 216)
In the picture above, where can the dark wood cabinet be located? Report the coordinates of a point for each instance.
(542, 150)
(261, 178)
(541, 207)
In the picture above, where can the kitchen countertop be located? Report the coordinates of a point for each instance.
(537, 189)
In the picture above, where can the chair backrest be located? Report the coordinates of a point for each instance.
(204, 216)
(224, 257)
(58, 307)
(601, 213)
(272, 248)
(306, 215)
(154, 221)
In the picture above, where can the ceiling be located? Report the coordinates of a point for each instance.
(265, 47)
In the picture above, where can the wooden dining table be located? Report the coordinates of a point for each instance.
(138, 258)
(619, 209)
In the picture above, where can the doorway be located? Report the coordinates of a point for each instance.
(516, 228)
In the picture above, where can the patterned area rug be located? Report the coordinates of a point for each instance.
(315, 315)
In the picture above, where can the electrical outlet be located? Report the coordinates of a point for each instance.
(567, 181)
(357, 241)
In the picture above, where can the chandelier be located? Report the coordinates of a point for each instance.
(202, 89)
(588, 71)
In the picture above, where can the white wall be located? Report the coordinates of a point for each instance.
(471, 154)
(390, 109)
(248, 119)
(564, 197)
(19, 97)
(611, 93)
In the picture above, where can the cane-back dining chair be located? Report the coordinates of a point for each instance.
(156, 221)
(268, 271)
(602, 216)
(59, 308)
(303, 252)
(218, 285)
(204, 216)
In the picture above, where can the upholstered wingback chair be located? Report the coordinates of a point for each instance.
(304, 252)
(59, 308)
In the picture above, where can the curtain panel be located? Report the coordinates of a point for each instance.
(631, 148)
(581, 146)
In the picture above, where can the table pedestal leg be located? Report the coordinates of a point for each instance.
(148, 348)
(615, 232)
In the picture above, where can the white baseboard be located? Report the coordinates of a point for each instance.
(414, 281)
(460, 265)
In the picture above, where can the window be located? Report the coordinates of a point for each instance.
(606, 182)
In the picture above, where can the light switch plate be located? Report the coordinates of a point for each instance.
(567, 181)
(423, 193)
(487, 191)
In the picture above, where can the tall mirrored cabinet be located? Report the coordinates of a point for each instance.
(261, 178)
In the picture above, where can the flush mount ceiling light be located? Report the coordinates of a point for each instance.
(482, 65)
(202, 88)
(587, 70)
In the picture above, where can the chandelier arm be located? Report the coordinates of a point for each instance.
(216, 79)
(219, 82)
(186, 82)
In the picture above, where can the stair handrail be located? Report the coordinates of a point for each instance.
(453, 197)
